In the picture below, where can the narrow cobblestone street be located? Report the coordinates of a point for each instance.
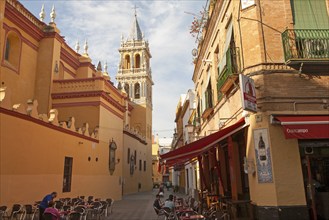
(137, 206)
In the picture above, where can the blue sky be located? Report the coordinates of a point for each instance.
(166, 26)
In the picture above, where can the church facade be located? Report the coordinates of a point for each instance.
(65, 127)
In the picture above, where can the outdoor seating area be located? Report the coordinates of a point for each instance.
(77, 208)
(185, 209)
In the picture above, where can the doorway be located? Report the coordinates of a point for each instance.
(315, 166)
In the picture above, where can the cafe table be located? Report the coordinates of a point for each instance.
(192, 217)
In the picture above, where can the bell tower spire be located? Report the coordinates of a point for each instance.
(135, 76)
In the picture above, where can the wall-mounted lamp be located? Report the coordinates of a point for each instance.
(207, 61)
(56, 67)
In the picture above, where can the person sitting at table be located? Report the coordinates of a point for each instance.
(169, 203)
(157, 202)
(53, 211)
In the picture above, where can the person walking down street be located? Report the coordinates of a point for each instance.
(45, 203)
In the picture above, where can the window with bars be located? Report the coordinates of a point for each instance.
(67, 178)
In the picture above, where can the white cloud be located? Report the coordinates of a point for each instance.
(166, 26)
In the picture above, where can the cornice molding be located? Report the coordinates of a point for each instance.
(79, 104)
(102, 94)
(54, 35)
(68, 58)
(68, 71)
(23, 22)
(111, 110)
(135, 137)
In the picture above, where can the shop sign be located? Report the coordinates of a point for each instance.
(248, 93)
(263, 156)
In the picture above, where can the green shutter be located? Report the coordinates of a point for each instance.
(310, 14)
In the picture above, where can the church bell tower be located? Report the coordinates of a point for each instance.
(134, 77)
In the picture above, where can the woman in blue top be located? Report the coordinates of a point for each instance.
(45, 203)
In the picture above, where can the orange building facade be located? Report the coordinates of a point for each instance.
(64, 126)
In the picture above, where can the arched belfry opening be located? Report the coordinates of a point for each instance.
(137, 61)
(127, 62)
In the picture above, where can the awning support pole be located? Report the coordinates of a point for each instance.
(221, 188)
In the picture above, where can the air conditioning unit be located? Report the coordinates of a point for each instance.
(308, 150)
(315, 48)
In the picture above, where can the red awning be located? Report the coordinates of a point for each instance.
(192, 150)
(305, 127)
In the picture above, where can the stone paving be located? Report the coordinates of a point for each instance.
(137, 206)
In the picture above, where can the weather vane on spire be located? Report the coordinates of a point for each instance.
(135, 8)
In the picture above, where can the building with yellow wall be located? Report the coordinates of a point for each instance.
(64, 126)
(261, 85)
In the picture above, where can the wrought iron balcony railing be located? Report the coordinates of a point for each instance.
(305, 45)
(231, 69)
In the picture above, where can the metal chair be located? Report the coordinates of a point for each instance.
(16, 212)
(3, 211)
(82, 210)
(170, 214)
(29, 211)
(48, 216)
(59, 204)
(74, 216)
(96, 209)
(159, 212)
(104, 208)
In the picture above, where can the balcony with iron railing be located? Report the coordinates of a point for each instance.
(306, 46)
(230, 71)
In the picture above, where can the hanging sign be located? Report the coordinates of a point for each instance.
(248, 93)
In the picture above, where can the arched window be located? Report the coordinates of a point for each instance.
(13, 49)
(137, 91)
(137, 61)
(127, 62)
(127, 89)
